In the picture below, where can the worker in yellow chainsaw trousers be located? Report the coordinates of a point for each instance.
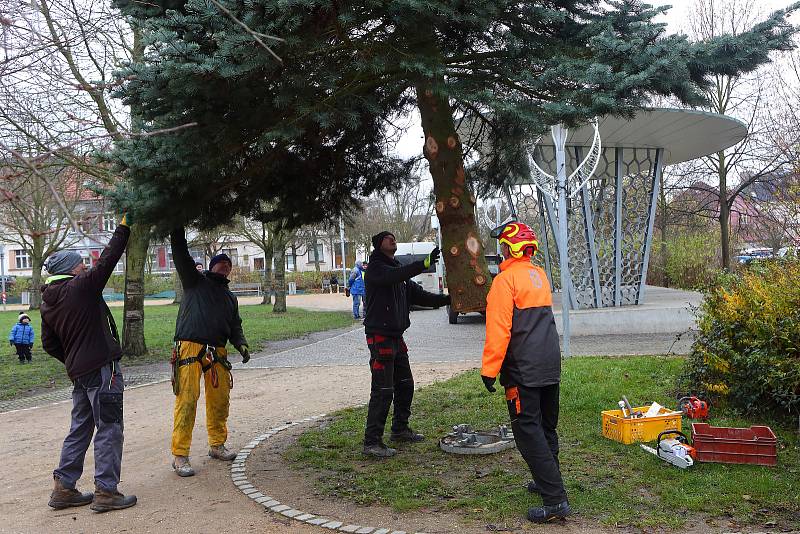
(217, 384)
(208, 319)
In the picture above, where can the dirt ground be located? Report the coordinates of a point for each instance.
(31, 442)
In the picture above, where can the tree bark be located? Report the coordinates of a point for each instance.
(176, 280)
(724, 213)
(268, 282)
(133, 342)
(663, 226)
(37, 261)
(468, 277)
(279, 252)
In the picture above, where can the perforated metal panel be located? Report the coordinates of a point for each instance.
(609, 224)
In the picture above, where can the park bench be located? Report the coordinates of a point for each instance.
(250, 288)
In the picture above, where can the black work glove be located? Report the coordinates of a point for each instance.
(432, 258)
(245, 352)
(489, 383)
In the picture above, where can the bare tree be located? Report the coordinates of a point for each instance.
(262, 235)
(746, 97)
(55, 88)
(29, 217)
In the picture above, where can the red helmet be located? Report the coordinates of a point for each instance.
(521, 240)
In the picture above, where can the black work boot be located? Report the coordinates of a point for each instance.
(407, 435)
(533, 487)
(379, 450)
(64, 497)
(545, 514)
(105, 501)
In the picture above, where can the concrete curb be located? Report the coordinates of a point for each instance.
(271, 504)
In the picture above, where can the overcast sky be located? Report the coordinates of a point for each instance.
(411, 143)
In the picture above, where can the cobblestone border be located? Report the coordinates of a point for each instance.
(272, 504)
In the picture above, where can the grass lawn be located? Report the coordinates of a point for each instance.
(617, 484)
(259, 324)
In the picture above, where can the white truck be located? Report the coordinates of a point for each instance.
(431, 279)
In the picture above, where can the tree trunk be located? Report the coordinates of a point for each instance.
(468, 277)
(133, 342)
(279, 252)
(724, 213)
(37, 261)
(268, 254)
(663, 226)
(314, 242)
(176, 281)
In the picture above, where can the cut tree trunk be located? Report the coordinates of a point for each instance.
(133, 343)
(279, 251)
(468, 277)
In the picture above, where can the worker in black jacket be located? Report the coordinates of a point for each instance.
(390, 292)
(207, 319)
(79, 331)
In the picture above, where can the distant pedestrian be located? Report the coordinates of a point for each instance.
(334, 282)
(79, 331)
(21, 337)
(355, 287)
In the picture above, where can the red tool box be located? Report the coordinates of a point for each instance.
(755, 445)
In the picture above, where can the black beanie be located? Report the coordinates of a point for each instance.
(218, 258)
(377, 238)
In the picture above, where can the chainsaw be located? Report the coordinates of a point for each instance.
(693, 408)
(675, 451)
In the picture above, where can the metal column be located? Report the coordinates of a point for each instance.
(656, 175)
(559, 133)
(618, 155)
(590, 242)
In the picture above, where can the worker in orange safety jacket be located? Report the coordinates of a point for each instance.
(522, 346)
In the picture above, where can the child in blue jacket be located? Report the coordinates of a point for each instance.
(21, 337)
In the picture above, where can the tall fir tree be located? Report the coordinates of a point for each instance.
(309, 133)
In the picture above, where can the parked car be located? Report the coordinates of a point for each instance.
(9, 280)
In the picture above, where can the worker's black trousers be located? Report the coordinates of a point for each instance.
(534, 417)
(391, 381)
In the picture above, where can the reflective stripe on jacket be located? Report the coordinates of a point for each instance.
(521, 338)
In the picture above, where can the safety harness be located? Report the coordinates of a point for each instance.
(206, 357)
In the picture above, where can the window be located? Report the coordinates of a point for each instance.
(22, 260)
(258, 264)
(233, 254)
(320, 253)
(350, 255)
(743, 218)
(289, 261)
(109, 222)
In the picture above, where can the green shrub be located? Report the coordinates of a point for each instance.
(692, 261)
(747, 352)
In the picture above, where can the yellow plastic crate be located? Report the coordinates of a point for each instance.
(628, 431)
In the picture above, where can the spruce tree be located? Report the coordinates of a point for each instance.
(310, 133)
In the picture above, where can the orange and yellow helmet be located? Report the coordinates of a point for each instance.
(521, 240)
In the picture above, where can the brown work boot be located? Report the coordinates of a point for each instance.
(63, 497)
(219, 452)
(105, 501)
(182, 466)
